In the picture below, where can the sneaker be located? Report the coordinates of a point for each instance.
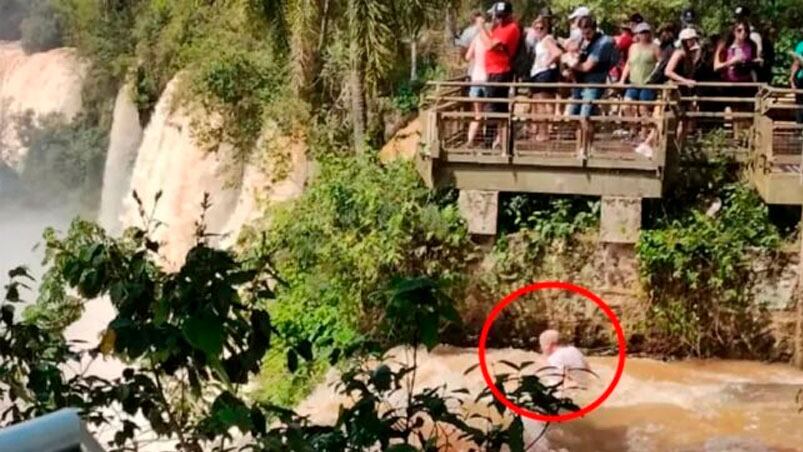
(621, 133)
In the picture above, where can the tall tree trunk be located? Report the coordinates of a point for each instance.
(413, 59)
(324, 30)
(357, 92)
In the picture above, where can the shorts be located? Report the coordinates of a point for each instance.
(499, 92)
(586, 109)
(640, 94)
(547, 76)
(478, 91)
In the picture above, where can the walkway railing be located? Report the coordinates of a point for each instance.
(778, 154)
(754, 123)
(524, 130)
(725, 109)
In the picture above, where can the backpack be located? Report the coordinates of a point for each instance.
(523, 60)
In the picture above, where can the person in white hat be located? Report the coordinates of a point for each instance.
(575, 33)
(684, 61)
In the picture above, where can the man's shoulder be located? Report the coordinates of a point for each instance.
(603, 42)
(799, 48)
(570, 349)
(606, 41)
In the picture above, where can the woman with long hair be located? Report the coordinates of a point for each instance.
(545, 70)
(682, 68)
(735, 60)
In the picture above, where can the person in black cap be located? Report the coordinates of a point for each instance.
(502, 42)
(688, 19)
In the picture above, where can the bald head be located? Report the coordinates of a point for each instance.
(549, 340)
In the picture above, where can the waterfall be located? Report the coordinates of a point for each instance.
(43, 83)
(171, 165)
(47, 82)
(124, 141)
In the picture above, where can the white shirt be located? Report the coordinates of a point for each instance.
(567, 358)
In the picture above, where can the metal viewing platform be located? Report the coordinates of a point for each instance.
(510, 154)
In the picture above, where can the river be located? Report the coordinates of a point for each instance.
(701, 405)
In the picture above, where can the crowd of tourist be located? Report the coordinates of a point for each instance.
(635, 58)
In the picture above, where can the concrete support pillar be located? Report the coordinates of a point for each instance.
(620, 226)
(480, 208)
(621, 220)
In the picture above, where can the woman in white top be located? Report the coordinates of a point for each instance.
(476, 57)
(545, 70)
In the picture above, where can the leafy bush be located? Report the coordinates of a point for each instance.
(41, 28)
(543, 239)
(65, 158)
(356, 226)
(193, 337)
(697, 270)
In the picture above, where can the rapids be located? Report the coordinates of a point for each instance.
(703, 405)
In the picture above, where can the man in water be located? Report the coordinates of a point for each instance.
(566, 359)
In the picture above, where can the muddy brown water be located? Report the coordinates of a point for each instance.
(701, 405)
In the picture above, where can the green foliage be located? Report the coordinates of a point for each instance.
(697, 269)
(32, 360)
(56, 308)
(193, 336)
(538, 228)
(192, 339)
(65, 158)
(246, 90)
(544, 238)
(41, 28)
(357, 225)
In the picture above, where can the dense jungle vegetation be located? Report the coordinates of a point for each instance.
(341, 274)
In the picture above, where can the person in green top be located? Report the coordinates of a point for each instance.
(796, 79)
(642, 61)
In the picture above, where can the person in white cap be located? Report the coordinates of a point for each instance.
(575, 33)
(642, 60)
(572, 44)
(684, 61)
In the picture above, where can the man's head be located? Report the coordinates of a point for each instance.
(502, 11)
(741, 13)
(549, 341)
(667, 33)
(588, 26)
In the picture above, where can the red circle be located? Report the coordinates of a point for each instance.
(620, 338)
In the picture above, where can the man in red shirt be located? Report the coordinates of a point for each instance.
(502, 43)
